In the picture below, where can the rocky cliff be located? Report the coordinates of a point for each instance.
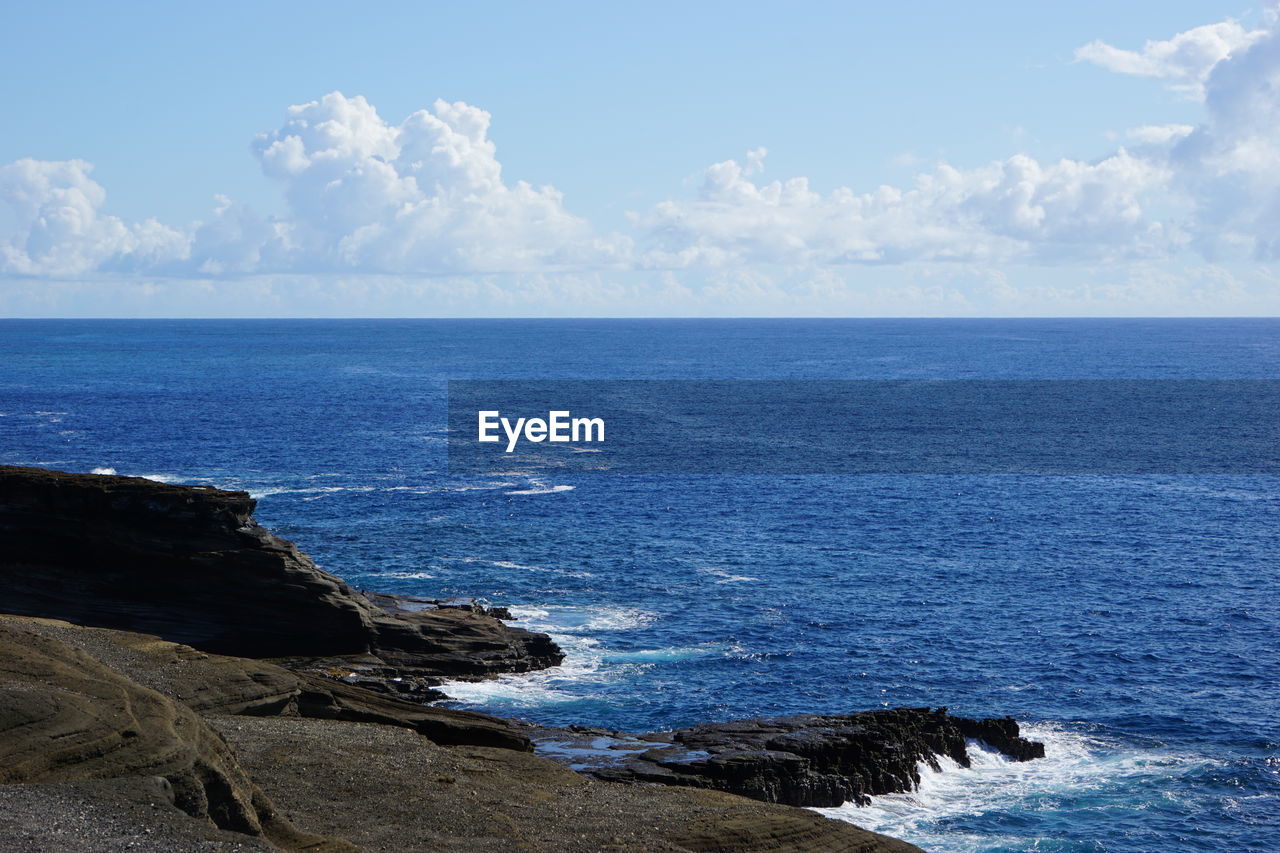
(191, 565)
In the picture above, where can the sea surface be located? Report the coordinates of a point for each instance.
(1130, 622)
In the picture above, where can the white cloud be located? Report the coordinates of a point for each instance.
(60, 229)
(424, 196)
(1158, 134)
(1017, 209)
(1214, 187)
(373, 203)
(1186, 60)
(1230, 164)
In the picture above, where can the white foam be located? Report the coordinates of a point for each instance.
(569, 619)
(407, 575)
(674, 653)
(482, 487)
(311, 492)
(542, 490)
(727, 576)
(509, 691)
(584, 659)
(1073, 762)
(110, 471)
(161, 478)
(507, 564)
(544, 687)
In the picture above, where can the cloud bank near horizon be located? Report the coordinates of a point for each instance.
(427, 197)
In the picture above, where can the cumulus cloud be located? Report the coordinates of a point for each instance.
(1214, 187)
(61, 229)
(1230, 163)
(1017, 209)
(1186, 60)
(426, 195)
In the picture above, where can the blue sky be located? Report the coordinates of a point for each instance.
(932, 159)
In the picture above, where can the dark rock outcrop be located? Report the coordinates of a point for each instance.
(806, 760)
(190, 564)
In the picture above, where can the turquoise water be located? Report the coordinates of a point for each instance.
(1131, 622)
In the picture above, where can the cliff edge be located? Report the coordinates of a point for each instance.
(190, 564)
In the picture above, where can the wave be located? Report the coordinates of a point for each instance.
(105, 471)
(314, 492)
(507, 564)
(667, 655)
(1079, 772)
(585, 661)
(727, 576)
(542, 490)
(571, 619)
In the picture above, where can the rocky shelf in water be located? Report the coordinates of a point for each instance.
(175, 677)
(802, 760)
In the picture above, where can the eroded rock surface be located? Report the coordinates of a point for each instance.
(90, 759)
(65, 717)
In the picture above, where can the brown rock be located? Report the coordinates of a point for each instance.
(399, 792)
(65, 717)
(218, 684)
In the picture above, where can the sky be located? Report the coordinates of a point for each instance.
(657, 159)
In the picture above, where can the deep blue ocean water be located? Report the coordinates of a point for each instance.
(1131, 622)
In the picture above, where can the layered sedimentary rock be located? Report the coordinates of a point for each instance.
(91, 760)
(65, 717)
(213, 684)
(190, 564)
(804, 760)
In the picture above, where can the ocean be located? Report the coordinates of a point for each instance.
(1130, 621)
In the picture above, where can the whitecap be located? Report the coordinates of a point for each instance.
(544, 687)
(993, 784)
(585, 661)
(511, 692)
(726, 576)
(570, 619)
(542, 490)
(107, 471)
(672, 653)
(507, 564)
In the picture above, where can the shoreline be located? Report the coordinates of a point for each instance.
(190, 565)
